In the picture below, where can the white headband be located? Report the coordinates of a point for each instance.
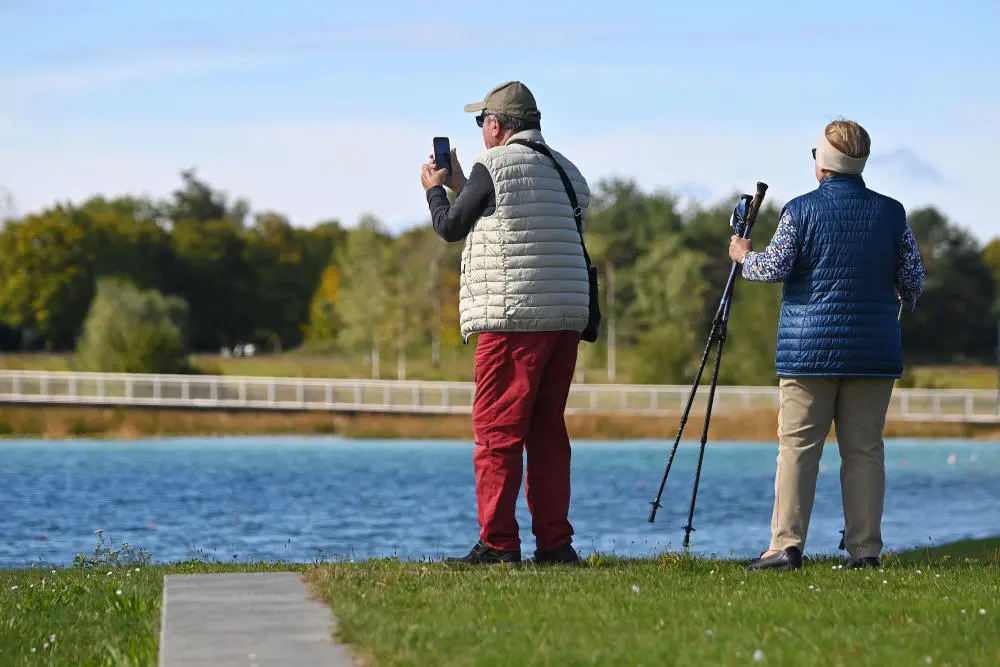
(829, 158)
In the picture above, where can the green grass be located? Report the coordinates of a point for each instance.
(985, 550)
(671, 610)
(455, 365)
(954, 377)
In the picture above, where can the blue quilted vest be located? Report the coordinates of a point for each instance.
(839, 309)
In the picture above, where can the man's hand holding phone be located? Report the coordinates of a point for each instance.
(431, 175)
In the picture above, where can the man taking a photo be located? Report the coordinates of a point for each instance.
(524, 290)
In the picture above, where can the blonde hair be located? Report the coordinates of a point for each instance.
(849, 138)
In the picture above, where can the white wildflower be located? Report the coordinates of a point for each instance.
(982, 611)
(885, 581)
(709, 633)
(52, 638)
(919, 572)
(118, 592)
(635, 589)
(13, 588)
(963, 611)
(758, 656)
(928, 660)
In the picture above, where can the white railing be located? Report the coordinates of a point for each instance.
(274, 393)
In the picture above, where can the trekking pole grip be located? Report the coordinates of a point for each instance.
(755, 205)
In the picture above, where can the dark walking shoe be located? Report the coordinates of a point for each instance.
(484, 554)
(782, 561)
(564, 555)
(867, 561)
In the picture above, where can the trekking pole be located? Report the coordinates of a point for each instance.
(744, 217)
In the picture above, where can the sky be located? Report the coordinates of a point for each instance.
(322, 109)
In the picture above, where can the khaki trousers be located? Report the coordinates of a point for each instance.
(808, 407)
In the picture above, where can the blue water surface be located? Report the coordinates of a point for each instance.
(305, 499)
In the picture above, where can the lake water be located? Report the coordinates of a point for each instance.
(304, 499)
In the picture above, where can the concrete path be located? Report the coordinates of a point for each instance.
(245, 620)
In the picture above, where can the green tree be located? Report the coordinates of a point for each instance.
(991, 257)
(197, 201)
(364, 297)
(217, 281)
(622, 224)
(128, 330)
(285, 278)
(413, 279)
(752, 336)
(670, 295)
(51, 260)
(959, 291)
(325, 324)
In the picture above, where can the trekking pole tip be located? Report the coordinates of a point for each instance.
(652, 512)
(688, 529)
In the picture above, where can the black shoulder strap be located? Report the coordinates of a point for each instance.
(570, 192)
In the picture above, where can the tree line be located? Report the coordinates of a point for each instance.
(136, 284)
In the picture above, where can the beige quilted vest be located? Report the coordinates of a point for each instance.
(523, 267)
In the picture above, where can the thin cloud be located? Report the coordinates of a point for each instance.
(906, 163)
(92, 68)
(79, 79)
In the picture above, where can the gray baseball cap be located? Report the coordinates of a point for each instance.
(512, 98)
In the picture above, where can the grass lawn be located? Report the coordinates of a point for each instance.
(941, 603)
(921, 609)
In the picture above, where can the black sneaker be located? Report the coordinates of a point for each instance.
(867, 561)
(564, 555)
(782, 561)
(484, 554)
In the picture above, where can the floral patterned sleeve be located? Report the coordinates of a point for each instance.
(776, 262)
(911, 274)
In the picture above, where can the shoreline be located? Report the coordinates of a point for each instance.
(58, 422)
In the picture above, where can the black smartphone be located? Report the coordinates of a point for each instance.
(442, 153)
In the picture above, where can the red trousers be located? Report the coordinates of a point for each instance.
(522, 383)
